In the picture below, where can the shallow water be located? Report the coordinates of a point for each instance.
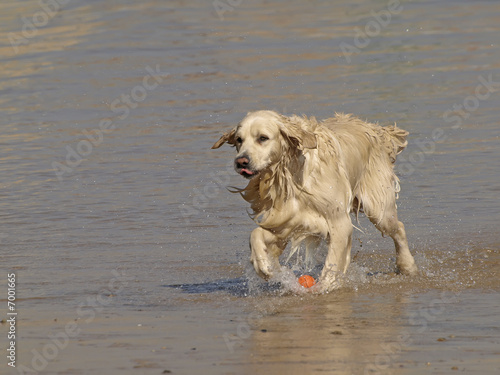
(139, 243)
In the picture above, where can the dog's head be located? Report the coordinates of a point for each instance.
(262, 138)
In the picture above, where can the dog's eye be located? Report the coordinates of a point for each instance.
(263, 138)
(239, 140)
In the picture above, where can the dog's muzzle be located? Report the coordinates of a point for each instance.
(242, 166)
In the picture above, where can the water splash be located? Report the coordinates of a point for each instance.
(452, 270)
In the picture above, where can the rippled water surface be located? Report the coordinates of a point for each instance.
(114, 213)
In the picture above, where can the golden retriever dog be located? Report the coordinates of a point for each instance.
(307, 176)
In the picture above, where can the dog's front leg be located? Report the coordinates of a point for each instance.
(339, 255)
(266, 248)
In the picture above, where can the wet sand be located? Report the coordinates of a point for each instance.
(439, 322)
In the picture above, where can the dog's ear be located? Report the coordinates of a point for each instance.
(227, 137)
(296, 134)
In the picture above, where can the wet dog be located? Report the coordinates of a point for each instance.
(307, 176)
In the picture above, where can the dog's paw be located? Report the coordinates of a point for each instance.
(324, 286)
(408, 269)
(262, 267)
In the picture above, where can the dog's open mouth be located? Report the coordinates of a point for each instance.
(247, 173)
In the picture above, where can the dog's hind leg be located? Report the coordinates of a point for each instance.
(389, 225)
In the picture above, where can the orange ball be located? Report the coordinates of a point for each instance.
(306, 281)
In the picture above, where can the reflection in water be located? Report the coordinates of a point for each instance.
(340, 333)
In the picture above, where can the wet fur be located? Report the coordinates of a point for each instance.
(309, 176)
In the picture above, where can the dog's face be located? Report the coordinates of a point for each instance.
(261, 139)
(258, 143)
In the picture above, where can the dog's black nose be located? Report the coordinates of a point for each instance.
(242, 162)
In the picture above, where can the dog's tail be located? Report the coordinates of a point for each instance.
(394, 140)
